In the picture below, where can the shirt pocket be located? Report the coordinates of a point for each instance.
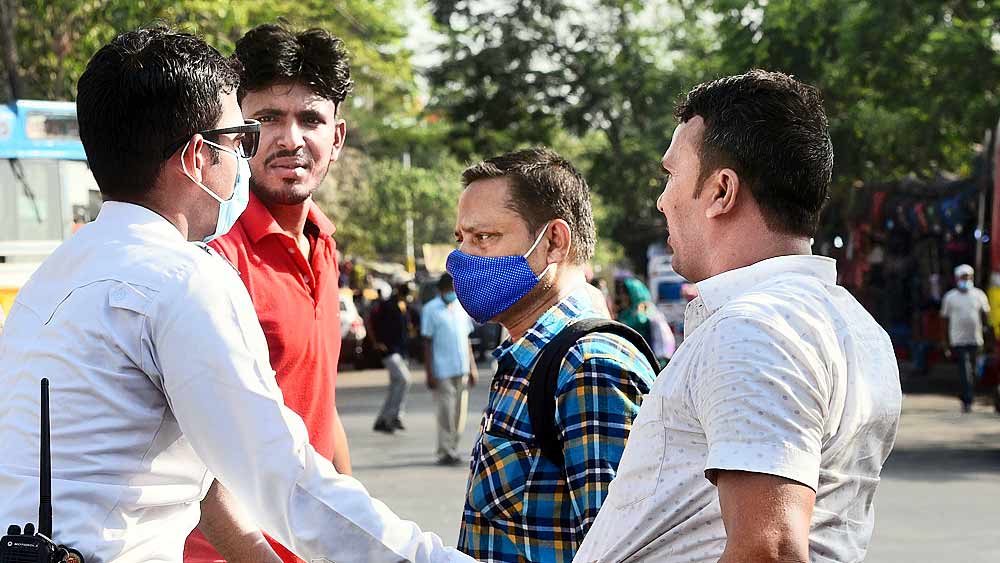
(639, 471)
(496, 489)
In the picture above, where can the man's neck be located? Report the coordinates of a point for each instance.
(291, 218)
(518, 320)
(173, 216)
(740, 253)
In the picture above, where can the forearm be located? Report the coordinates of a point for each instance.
(236, 422)
(341, 451)
(428, 358)
(230, 532)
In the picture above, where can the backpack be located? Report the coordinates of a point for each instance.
(545, 377)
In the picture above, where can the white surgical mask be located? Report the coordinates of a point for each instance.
(231, 209)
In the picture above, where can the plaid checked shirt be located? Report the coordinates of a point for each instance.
(520, 507)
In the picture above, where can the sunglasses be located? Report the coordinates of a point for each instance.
(245, 145)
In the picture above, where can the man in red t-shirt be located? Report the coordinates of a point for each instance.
(282, 246)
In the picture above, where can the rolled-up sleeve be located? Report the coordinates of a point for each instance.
(762, 400)
(212, 359)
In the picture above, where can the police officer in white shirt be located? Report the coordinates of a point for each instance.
(159, 369)
(764, 438)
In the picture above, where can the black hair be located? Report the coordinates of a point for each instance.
(544, 186)
(445, 282)
(772, 131)
(139, 94)
(403, 290)
(272, 54)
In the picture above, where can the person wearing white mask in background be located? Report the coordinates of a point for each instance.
(967, 309)
(159, 370)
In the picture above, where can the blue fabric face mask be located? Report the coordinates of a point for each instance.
(964, 285)
(489, 285)
(231, 209)
(449, 297)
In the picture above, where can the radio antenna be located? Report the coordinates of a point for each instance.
(45, 469)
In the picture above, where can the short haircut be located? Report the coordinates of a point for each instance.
(404, 289)
(544, 186)
(139, 94)
(272, 54)
(772, 131)
(446, 282)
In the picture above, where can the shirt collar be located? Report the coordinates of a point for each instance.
(259, 222)
(118, 214)
(720, 289)
(575, 305)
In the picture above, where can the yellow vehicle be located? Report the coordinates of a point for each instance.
(46, 188)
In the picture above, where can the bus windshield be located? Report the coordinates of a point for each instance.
(46, 188)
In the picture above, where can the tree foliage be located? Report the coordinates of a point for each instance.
(369, 200)
(909, 87)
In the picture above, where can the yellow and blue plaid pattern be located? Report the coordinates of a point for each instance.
(520, 507)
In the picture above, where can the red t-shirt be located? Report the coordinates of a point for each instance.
(298, 304)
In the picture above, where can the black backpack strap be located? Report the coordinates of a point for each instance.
(545, 377)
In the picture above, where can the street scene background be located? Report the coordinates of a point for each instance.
(913, 98)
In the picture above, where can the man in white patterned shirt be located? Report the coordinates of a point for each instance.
(764, 438)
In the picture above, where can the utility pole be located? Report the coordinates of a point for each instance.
(9, 46)
(411, 257)
(981, 215)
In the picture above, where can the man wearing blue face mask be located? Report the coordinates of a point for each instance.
(967, 310)
(525, 232)
(159, 369)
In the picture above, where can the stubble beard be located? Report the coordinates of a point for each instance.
(287, 193)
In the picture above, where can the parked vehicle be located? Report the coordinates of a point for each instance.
(47, 191)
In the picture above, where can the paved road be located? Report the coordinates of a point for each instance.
(939, 501)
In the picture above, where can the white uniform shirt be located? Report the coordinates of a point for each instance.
(159, 380)
(781, 372)
(964, 311)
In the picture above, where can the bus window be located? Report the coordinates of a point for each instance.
(37, 207)
(82, 197)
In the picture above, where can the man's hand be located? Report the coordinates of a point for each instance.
(473, 368)
(947, 352)
(766, 517)
(431, 380)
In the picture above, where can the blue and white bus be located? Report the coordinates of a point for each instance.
(46, 188)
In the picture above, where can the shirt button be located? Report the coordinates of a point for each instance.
(291, 250)
(306, 279)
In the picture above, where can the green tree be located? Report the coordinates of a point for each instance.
(909, 87)
(521, 72)
(369, 200)
(500, 73)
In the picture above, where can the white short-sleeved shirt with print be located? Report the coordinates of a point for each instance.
(964, 311)
(781, 372)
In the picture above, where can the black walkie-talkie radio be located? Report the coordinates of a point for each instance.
(29, 546)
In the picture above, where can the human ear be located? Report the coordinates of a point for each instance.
(723, 188)
(560, 241)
